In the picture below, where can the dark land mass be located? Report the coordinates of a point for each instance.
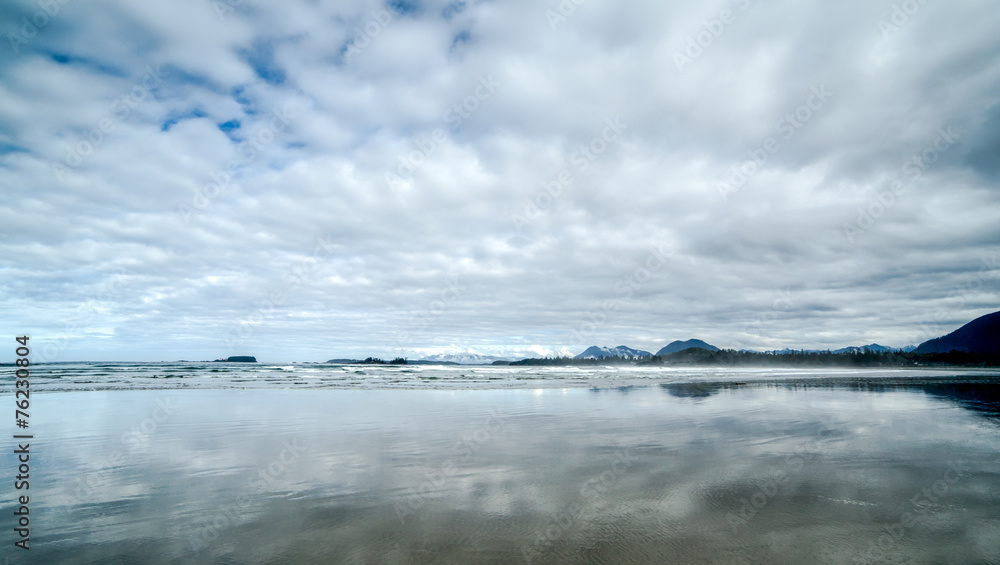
(396, 361)
(238, 359)
(981, 335)
(696, 356)
(676, 346)
(377, 361)
(976, 344)
(369, 361)
(865, 358)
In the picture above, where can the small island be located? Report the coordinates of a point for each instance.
(369, 361)
(237, 359)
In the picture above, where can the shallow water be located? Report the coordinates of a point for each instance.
(64, 377)
(695, 472)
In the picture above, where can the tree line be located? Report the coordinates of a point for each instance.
(732, 357)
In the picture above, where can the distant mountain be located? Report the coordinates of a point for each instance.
(981, 335)
(597, 352)
(675, 346)
(464, 358)
(871, 348)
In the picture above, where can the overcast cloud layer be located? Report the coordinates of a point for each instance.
(307, 180)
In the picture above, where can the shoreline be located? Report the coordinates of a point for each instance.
(484, 377)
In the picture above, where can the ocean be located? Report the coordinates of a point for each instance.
(256, 464)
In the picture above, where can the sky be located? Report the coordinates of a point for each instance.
(305, 180)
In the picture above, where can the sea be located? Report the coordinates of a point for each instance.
(235, 463)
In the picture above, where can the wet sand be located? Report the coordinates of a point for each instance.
(720, 470)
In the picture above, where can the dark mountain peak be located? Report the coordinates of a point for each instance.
(675, 346)
(981, 335)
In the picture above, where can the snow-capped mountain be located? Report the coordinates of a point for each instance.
(487, 355)
(871, 348)
(597, 352)
(465, 358)
(875, 348)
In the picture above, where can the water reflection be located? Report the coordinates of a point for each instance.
(698, 389)
(709, 472)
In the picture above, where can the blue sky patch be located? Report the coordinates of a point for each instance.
(260, 57)
(173, 119)
(451, 10)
